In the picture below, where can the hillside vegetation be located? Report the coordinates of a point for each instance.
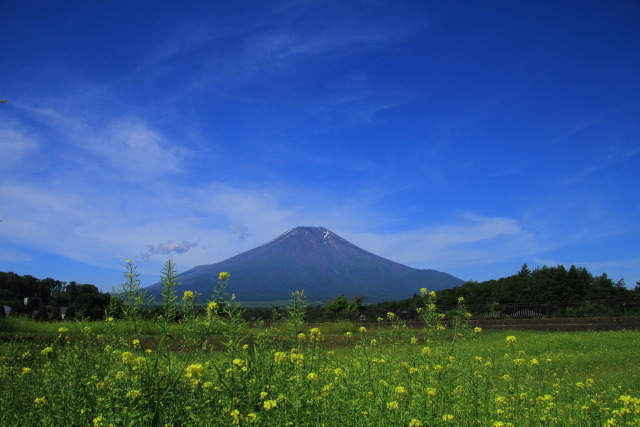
(542, 285)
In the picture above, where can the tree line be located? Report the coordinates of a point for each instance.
(544, 284)
(43, 298)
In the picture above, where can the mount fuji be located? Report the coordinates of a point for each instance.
(317, 261)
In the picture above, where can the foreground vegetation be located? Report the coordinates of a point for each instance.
(369, 377)
(215, 369)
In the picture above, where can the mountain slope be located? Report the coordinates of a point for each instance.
(317, 261)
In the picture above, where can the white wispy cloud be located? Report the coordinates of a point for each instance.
(469, 240)
(132, 146)
(277, 48)
(17, 143)
(126, 144)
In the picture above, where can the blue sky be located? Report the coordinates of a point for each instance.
(466, 137)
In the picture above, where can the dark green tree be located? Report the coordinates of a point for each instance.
(342, 307)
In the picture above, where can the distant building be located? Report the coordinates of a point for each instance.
(34, 301)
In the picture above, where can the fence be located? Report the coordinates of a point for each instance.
(533, 310)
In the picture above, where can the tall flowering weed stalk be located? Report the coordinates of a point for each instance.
(170, 281)
(429, 313)
(144, 375)
(460, 320)
(227, 313)
(132, 296)
(133, 299)
(296, 313)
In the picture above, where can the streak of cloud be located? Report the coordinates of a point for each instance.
(239, 230)
(167, 248)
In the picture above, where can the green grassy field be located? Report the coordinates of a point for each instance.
(135, 373)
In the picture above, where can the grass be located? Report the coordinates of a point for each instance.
(92, 374)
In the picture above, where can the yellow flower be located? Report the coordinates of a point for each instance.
(279, 356)
(296, 358)
(348, 334)
(414, 340)
(135, 342)
(187, 295)
(235, 414)
(63, 330)
(511, 339)
(431, 392)
(26, 370)
(133, 394)
(423, 291)
(391, 315)
(46, 350)
(39, 400)
(315, 334)
(460, 299)
(415, 423)
(392, 405)
(127, 357)
(362, 329)
(312, 376)
(223, 276)
(127, 261)
(239, 364)
(194, 372)
(477, 329)
(432, 294)
(426, 350)
(270, 404)
(447, 418)
(139, 363)
(400, 390)
(212, 306)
